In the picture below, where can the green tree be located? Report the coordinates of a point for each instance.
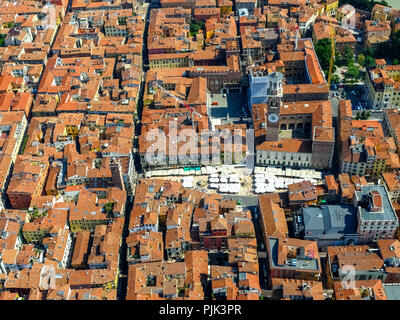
(390, 49)
(368, 52)
(195, 27)
(363, 115)
(361, 59)
(352, 73)
(395, 61)
(24, 142)
(335, 78)
(369, 62)
(395, 45)
(339, 61)
(109, 206)
(383, 50)
(323, 49)
(35, 212)
(348, 56)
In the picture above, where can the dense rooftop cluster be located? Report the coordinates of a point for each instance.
(194, 224)
(70, 83)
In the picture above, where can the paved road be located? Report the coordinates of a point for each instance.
(262, 254)
(232, 104)
(261, 251)
(335, 106)
(248, 201)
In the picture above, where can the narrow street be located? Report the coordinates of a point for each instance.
(124, 266)
(261, 250)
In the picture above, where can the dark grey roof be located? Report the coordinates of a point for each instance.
(313, 220)
(330, 220)
(392, 291)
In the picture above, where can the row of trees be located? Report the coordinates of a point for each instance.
(323, 49)
(391, 49)
(366, 5)
(364, 115)
(366, 58)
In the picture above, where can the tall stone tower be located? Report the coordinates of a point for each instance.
(274, 102)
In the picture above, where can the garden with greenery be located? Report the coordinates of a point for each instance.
(196, 27)
(323, 49)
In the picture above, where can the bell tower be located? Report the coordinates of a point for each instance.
(274, 102)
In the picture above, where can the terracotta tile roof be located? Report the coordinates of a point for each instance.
(357, 256)
(273, 218)
(392, 181)
(294, 288)
(363, 289)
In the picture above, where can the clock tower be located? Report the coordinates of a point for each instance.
(274, 102)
